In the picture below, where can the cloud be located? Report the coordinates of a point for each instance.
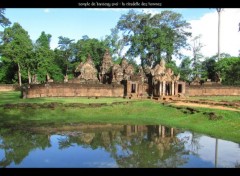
(46, 10)
(207, 26)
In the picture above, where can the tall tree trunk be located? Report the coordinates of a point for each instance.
(19, 75)
(29, 77)
(66, 70)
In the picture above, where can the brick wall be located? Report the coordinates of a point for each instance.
(73, 90)
(212, 90)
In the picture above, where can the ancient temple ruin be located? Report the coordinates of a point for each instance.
(86, 72)
(165, 83)
(113, 80)
(105, 74)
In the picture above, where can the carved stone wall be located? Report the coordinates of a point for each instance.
(87, 71)
(164, 81)
(73, 90)
(212, 90)
(128, 69)
(117, 74)
(8, 87)
(106, 68)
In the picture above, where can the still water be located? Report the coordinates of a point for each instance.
(108, 146)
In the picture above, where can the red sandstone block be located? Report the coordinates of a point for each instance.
(42, 95)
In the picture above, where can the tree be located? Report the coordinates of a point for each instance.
(64, 45)
(233, 75)
(197, 55)
(4, 67)
(222, 55)
(17, 47)
(44, 59)
(185, 69)
(152, 37)
(115, 43)
(228, 69)
(219, 27)
(94, 47)
(209, 69)
(172, 64)
(4, 22)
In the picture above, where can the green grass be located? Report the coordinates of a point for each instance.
(14, 97)
(145, 112)
(216, 98)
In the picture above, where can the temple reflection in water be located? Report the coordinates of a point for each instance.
(106, 145)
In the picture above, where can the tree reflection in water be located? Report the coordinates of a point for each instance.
(130, 146)
(17, 145)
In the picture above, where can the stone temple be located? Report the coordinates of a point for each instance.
(112, 80)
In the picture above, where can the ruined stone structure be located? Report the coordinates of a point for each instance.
(128, 69)
(117, 74)
(112, 80)
(8, 87)
(72, 90)
(212, 90)
(165, 82)
(87, 73)
(105, 74)
(49, 79)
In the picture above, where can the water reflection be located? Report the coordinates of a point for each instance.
(116, 146)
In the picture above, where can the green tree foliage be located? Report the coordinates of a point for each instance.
(65, 45)
(185, 69)
(209, 68)
(115, 43)
(229, 70)
(8, 72)
(233, 75)
(4, 22)
(16, 48)
(172, 64)
(43, 62)
(222, 55)
(94, 47)
(153, 36)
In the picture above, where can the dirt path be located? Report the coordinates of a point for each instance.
(204, 106)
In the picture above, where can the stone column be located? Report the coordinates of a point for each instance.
(183, 88)
(136, 88)
(160, 88)
(164, 88)
(171, 132)
(176, 88)
(159, 130)
(172, 87)
(163, 132)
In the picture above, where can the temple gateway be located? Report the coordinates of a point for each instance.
(112, 80)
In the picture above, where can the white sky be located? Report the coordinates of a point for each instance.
(207, 26)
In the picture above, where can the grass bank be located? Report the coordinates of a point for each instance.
(14, 97)
(216, 98)
(145, 112)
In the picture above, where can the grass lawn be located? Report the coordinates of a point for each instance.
(145, 112)
(14, 97)
(216, 98)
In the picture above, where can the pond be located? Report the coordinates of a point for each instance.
(114, 146)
